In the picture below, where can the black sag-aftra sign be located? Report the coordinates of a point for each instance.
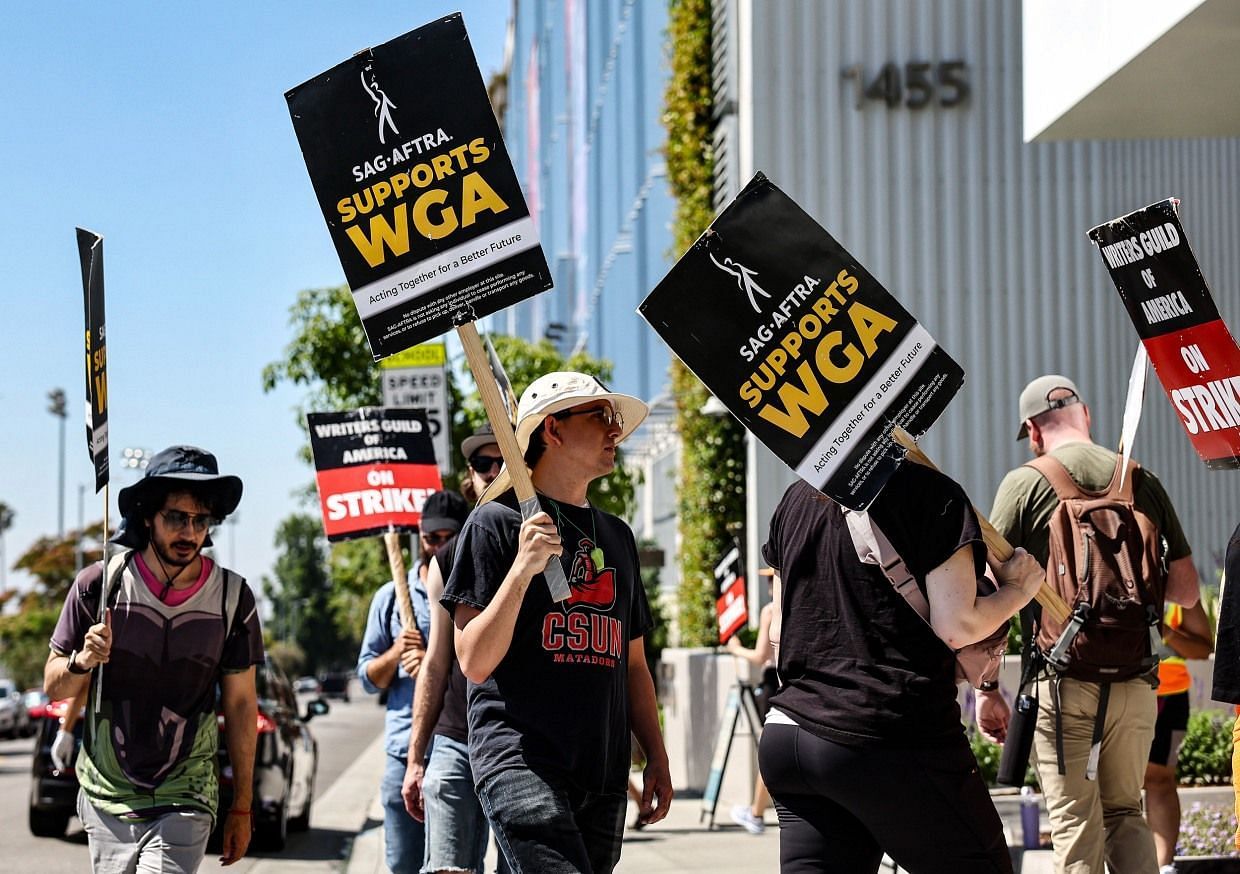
(802, 344)
(417, 189)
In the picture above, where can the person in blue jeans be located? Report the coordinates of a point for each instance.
(389, 659)
(439, 782)
(556, 686)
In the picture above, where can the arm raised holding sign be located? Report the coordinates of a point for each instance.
(558, 684)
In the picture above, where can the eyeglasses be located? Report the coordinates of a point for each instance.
(484, 463)
(606, 415)
(434, 538)
(178, 519)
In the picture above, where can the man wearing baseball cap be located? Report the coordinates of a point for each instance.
(439, 783)
(173, 625)
(556, 688)
(390, 659)
(1091, 820)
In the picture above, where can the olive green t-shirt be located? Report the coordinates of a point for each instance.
(1025, 500)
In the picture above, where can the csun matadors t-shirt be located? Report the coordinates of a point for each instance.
(558, 701)
(858, 665)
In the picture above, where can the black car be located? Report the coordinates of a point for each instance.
(335, 684)
(285, 764)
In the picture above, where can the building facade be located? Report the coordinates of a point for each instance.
(898, 125)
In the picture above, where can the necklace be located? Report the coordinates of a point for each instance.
(596, 554)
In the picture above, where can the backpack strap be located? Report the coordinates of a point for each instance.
(1123, 492)
(1053, 470)
(230, 597)
(873, 547)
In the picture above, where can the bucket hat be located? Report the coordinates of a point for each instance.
(187, 466)
(553, 393)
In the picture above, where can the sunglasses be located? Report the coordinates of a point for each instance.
(606, 415)
(434, 538)
(178, 519)
(484, 463)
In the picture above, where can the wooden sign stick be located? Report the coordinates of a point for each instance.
(484, 377)
(396, 561)
(996, 544)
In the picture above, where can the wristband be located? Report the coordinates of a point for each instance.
(73, 666)
(235, 812)
(988, 686)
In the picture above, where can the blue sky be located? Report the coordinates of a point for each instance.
(163, 127)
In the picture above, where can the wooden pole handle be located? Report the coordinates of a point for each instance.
(514, 460)
(996, 544)
(396, 561)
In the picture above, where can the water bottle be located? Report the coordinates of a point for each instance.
(1030, 820)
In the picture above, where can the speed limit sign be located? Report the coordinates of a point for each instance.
(417, 377)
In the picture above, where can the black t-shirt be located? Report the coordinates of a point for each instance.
(858, 665)
(452, 720)
(558, 701)
(1227, 641)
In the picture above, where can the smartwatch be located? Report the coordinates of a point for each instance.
(74, 668)
(988, 686)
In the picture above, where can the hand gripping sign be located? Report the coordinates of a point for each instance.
(423, 204)
(1194, 355)
(802, 344)
(374, 468)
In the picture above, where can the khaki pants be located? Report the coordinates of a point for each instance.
(1093, 820)
(1235, 771)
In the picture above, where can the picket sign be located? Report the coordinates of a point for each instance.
(493, 401)
(996, 544)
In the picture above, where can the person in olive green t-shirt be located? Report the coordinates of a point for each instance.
(1091, 821)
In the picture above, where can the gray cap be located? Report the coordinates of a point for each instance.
(1035, 399)
(484, 436)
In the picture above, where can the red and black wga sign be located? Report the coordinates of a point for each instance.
(374, 467)
(730, 606)
(1194, 355)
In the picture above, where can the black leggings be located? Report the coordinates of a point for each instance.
(841, 807)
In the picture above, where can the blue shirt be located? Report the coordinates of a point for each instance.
(382, 628)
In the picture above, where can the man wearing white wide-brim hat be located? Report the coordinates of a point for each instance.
(556, 688)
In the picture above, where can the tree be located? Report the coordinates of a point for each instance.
(24, 634)
(308, 616)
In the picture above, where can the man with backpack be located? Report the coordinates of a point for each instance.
(1114, 550)
(159, 631)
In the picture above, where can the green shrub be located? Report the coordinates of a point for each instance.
(1205, 757)
(986, 753)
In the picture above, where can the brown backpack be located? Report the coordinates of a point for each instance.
(1106, 559)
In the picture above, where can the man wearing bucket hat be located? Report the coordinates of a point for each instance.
(1093, 817)
(172, 625)
(555, 688)
(390, 659)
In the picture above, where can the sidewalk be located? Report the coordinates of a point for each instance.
(682, 843)
(679, 843)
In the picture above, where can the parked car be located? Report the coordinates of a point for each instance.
(36, 701)
(285, 762)
(53, 793)
(285, 766)
(307, 686)
(335, 684)
(14, 717)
